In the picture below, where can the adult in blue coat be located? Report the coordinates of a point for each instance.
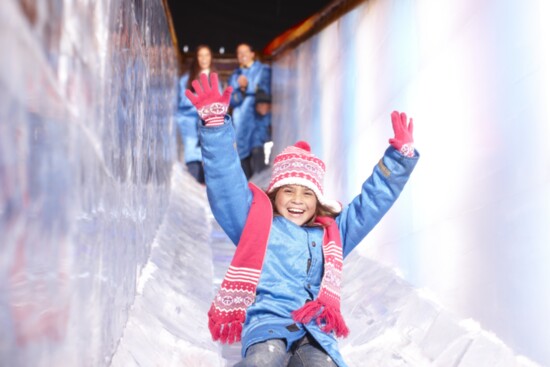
(245, 80)
(262, 133)
(187, 118)
(281, 294)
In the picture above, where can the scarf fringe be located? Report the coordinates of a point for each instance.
(322, 313)
(226, 329)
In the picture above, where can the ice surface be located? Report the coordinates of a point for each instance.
(86, 151)
(168, 323)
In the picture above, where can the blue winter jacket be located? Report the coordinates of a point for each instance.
(243, 106)
(188, 122)
(293, 263)
(262, 133)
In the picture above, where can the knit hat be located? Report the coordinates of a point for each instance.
(296, 165)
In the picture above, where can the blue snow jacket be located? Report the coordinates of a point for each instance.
(293, 263)
(262, 131)
(188, 122)
(243, 105)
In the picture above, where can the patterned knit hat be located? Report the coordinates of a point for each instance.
(296, 165)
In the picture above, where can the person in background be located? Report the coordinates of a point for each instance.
(262, 131)
(246, 80)
(187, 118)
(281, 294)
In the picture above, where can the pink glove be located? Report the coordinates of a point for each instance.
(403, 140)
(211, 105)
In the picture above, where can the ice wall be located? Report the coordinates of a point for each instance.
(168, 324)
(472, 224)
(86, 152)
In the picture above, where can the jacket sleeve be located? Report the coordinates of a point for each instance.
(226, 184)
(378, 194)
(265, 79)
(185, 110)
(237, 97)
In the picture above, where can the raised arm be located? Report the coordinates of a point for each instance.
(382, 188)
(226, 184)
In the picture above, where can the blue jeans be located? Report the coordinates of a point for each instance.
(272, 353)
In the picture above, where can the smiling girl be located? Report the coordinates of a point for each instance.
(281, 294)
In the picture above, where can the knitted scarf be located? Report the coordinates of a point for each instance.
(238, 289)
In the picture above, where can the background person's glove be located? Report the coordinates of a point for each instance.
(211, 105)
(403, 140)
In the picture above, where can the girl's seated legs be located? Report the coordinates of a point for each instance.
(310, 355)
(271, 353)
(305, 352)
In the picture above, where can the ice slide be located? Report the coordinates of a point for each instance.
(391, 323)
(108, 253)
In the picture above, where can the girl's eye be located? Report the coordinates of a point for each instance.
(308, 193)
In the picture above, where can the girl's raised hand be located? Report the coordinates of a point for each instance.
(403, 140)
(211, 105)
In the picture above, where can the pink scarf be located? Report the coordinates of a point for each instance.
(238, 289)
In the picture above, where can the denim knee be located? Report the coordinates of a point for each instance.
(311, 355)
(271, 353)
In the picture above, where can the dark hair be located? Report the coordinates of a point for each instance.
(320, 211)
(249, 45)
(194, 68)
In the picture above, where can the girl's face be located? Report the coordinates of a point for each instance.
(204, 57)
(296, 203)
